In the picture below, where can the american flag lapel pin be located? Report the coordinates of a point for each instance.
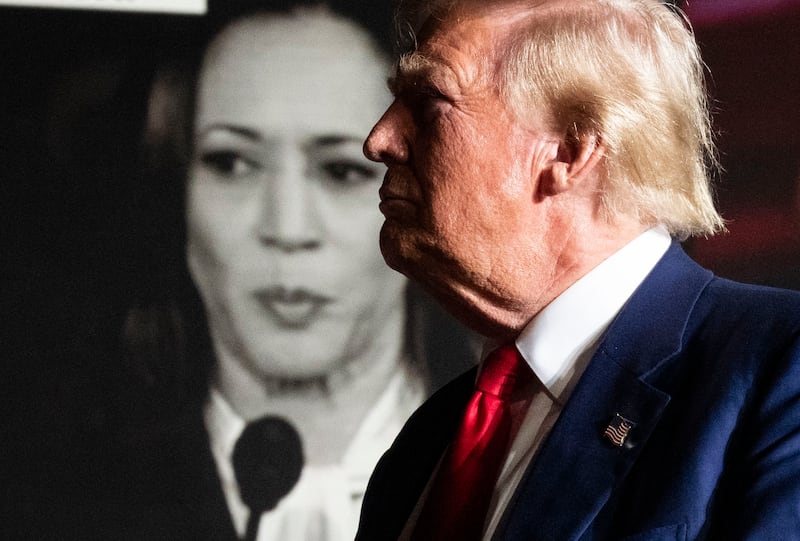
(618, 429)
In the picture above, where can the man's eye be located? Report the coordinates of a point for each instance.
(349, 172)
(430, 105)
(227, 163)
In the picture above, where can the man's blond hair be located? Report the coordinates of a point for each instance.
(629, 73)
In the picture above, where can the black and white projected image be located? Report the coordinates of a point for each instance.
(216, 273)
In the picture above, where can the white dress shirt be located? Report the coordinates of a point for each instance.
(559, 342)
(325, 503)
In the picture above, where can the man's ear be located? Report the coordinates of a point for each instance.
(576, 159)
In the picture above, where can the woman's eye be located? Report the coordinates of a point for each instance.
(227, 163)
(349, 172)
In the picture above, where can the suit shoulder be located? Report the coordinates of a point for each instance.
(750, 330)
(756, 305)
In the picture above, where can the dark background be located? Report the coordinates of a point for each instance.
(73, 86)
(752, 49)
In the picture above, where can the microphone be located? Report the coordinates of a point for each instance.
(267, 460)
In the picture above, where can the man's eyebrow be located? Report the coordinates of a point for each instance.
(411, 70)
(415, 62)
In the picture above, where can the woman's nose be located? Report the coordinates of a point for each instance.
(288, 218)
(387, 142)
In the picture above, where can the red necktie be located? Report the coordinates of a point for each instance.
(462, 488)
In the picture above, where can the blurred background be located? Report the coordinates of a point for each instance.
(73, 90)
(753, 53)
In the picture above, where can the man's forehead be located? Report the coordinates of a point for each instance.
(427, 17)
(472, 33)
(474, 22)
(475, 30)
(432, 64)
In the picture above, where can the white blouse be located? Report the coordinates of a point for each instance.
(325, 503)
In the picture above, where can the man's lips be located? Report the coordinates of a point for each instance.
(293, 308)
(392, 204)
(395, 208)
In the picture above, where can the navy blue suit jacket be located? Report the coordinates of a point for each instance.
(708, 369)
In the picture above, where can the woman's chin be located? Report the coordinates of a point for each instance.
(310, 373)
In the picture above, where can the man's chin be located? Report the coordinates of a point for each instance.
(395, 249)
(395, 262)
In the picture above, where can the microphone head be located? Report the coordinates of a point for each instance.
(267, 460)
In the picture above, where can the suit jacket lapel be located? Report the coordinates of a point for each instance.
(577, 468)
(402, 474)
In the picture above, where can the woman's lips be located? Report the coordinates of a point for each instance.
(293, 308)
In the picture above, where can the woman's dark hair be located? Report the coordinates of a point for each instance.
(373, 16)
(166, 343)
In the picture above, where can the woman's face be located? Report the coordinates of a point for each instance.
(283, 213)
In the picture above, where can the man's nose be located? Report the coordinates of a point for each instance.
(388, 140)
(288, 218)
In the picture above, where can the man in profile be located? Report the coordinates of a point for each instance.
(545, 159)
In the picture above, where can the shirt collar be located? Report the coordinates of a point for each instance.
(401, 397)
(556, 337)
(224, 426)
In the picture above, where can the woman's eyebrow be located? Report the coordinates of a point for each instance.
(242, 131)
(334, 139)
(322, 140)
